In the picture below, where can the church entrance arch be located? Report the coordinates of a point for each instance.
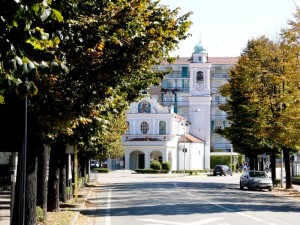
(137, 160)
(156, 155)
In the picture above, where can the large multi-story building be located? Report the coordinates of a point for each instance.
(192, 88)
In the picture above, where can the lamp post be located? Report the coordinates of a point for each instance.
(184, 150)
(231, 150)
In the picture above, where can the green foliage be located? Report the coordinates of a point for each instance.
(166, 166)
(219, 160)
(39, 214)
(150, 171)
(155, 165)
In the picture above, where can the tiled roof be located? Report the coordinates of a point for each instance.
(212, 60)
(190, 138)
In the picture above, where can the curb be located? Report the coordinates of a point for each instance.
(74, 219)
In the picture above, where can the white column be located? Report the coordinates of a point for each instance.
(127, 159)
(147, 160)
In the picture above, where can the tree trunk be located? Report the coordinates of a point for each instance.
(31, 187)
(83, 168)
(251, 161)
(286, 156)
(42, 180)
(53, 183)
(63, 178)
(273, 165)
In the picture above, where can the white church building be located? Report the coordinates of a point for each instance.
(186, 102)
(157, 133)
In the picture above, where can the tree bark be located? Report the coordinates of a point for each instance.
(83, 167)
(57, 149)
(273, 165)
(286, 156)
(31, 187)
(42, 179)
(63, 178)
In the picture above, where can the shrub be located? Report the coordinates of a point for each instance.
(155, 165)
(101, 170)
(39, 214)
(149, 171)
(166, 166)
(276, 182)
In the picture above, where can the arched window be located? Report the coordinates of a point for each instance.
(144, 127)
(128, 127)
(162, 127)
(200, 77)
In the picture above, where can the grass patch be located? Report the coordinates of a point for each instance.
(59, 218)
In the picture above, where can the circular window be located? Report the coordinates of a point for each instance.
(144, 127)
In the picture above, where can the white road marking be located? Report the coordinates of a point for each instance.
(108, 207)
(223, 207)
(199, 222)
(251, 217)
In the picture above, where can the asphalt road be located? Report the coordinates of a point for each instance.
(134, 199)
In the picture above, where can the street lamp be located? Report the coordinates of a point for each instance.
(184, 149)
(231, 150)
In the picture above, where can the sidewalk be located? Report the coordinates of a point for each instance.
(4, 207)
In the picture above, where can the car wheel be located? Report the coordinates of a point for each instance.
(225, 174)
(270, 189)
(241, 186)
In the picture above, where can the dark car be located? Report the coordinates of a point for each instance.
(256, 180)
(222, 170)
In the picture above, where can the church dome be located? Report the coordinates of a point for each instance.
(199, 48)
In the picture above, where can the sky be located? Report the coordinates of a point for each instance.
(225, 26)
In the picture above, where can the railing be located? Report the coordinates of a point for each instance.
(214, 103)
(218, 117)
(225, 147)
(171, 76)
(166, 89)
(224, 75)
(147, 139)
(178, 103)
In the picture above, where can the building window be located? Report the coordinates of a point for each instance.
(128, 127)
(144, 127)
(200, 77)
(162, 127)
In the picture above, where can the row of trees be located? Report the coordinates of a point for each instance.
(79, 63)
(263, 95)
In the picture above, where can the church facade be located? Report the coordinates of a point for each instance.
(157, 133)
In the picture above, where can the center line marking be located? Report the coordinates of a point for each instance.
(108, 207)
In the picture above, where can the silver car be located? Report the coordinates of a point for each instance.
(255, 180)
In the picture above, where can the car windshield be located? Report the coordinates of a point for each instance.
(257, 174)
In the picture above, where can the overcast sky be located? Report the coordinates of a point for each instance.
(225, 26)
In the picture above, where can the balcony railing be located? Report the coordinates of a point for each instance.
(226, 147)
(147, 139)
(218, 117)
(215, 103)
(177, 103)
(174, 75)
(224, 75)
(175, 89)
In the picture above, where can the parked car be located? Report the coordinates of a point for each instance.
(222, 170)
(256, 180)
(95, 163)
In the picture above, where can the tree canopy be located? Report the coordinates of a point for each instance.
(263, 96)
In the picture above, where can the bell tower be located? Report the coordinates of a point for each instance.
(199, 54)
(200, 98)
